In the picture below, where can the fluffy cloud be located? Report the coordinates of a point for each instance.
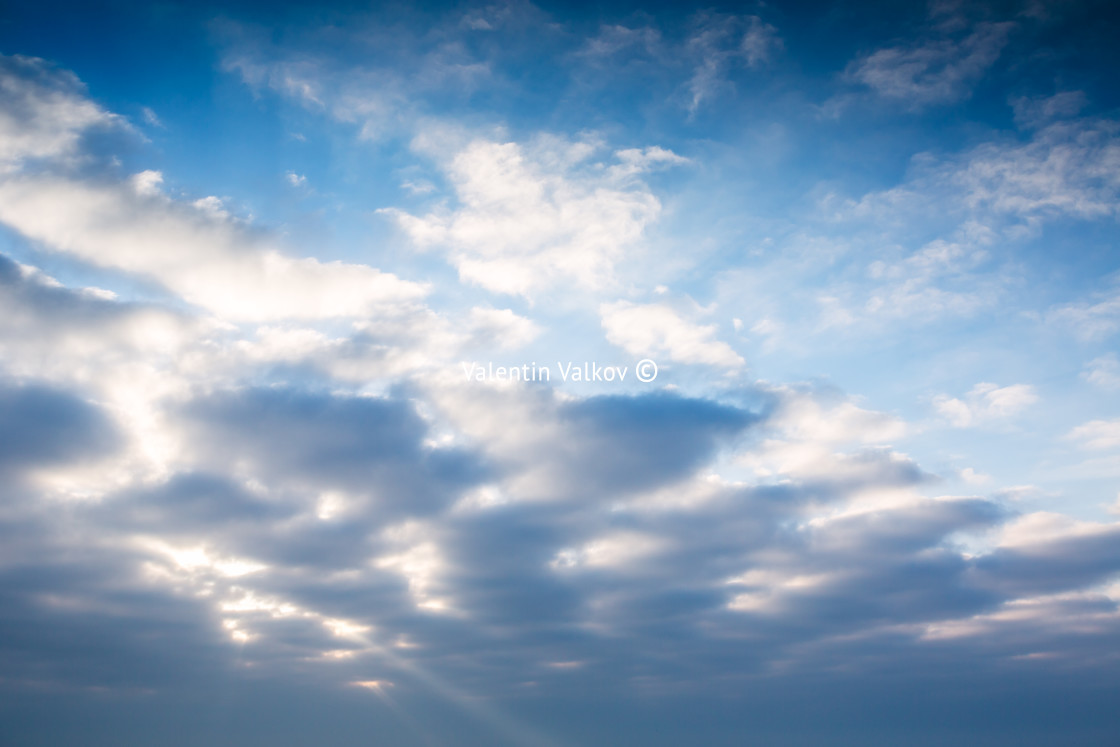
(195, 250)
(203, 513)
(657, 330)
(197, 253)
(536, 218)
(45, 112)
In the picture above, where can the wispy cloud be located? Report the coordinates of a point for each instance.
(937, 71)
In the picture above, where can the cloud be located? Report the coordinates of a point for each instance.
(614, 39)
(317, 534)
(369, 448)
(50, 332)
(379, 95)
(45, 112)
(1098, 435)
(591, 449)
(1066, 169)
(274, 512)
(940, 279)
(933, 72)
(41, 427)
(719, 43)
(946, 241)
(830, 443)
(984, 403)
(657, 330)
(1103, 372)
(535, 218)
(1038, 111)
(634, 161)
(1088, 320)
(502, 328)
(198, 253)
(151, 118)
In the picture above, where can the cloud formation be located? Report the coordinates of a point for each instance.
(938, 71)
(246, 487)
(531, 219)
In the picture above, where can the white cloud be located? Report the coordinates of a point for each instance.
(503, 327)
(538, 217)
(1103, 372)
(1070, 167)
(984, 403)
(634, 161)
(620, 551)
(1097, 434)
(147, 183)
(657, 331)
(1044, 527)
(43, 111)
(196, 251)
(296, 180)
(814, 437)
(1089, 321)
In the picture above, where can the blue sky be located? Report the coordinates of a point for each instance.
(249, 255)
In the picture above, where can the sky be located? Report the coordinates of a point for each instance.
(549, 375)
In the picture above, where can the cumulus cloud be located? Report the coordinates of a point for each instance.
(322, 533)
(196, 250)
(535, 218)
(813, 438)
(587, 449)
(330, 508)
(659, 331)
(51, 332)
(198, 253)
(45, 112)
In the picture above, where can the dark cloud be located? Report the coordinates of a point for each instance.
(619, 444)
(371, 446)
(42, 426)
(1053, 565)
